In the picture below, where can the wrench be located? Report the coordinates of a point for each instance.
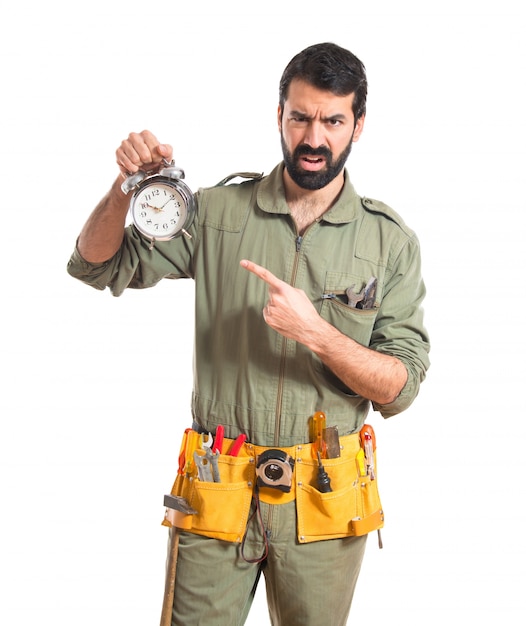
(353, 298)
(207, 466)
(365, 298)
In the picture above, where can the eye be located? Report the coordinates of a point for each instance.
(298, 119)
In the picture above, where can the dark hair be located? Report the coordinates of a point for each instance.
(328, 67)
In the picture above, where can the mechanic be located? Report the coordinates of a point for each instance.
(308, 300)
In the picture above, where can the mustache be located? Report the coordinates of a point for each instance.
(305, 150)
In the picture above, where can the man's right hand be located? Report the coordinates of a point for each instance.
(142, 151)
(102, 234)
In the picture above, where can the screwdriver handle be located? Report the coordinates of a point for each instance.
(367, 434)
(318, 426)
(368, 442)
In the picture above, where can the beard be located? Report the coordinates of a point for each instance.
(313, 180)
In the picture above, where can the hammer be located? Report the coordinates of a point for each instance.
(177, 508)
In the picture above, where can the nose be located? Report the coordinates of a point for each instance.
(314, 136)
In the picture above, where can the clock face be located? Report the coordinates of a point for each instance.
(159, 210)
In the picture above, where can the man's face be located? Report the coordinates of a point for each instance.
(317, 132)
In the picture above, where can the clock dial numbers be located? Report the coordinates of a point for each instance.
(159, 210)
(162, 206)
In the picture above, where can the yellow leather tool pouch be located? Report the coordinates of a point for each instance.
(352, 507)
(222, 507)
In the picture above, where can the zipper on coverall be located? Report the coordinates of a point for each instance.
(281, 378)
(279, 401)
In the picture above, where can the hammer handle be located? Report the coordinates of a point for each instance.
(169, 588)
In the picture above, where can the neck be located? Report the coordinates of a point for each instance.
(306, 206)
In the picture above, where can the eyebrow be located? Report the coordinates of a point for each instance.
(335, 117)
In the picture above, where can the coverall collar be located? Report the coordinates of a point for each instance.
(271, 198)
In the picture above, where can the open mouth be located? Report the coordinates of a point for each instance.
(312, 163)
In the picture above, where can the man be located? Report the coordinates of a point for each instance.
(308, 303)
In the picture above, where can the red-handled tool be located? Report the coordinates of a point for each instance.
(368, 441)
(237, 445)
(367, 433)
(218, 440)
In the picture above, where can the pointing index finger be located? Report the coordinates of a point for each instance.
(261, 272)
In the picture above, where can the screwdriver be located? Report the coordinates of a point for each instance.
(319, 447)
(323, 480)
(368, 441)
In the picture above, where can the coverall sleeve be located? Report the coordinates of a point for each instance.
(134, 265)
(399, 329)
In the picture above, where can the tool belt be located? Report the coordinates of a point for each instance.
(221, 509)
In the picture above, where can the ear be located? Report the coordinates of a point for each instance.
(280, 114)
(358, 128)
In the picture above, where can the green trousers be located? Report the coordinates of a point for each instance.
(307, 584)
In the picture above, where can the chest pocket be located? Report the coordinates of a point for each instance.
(343, 296)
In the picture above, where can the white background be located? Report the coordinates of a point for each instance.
(96, 390)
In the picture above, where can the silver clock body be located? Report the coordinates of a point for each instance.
(162, 205)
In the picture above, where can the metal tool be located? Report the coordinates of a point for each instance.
(206, 443)
(207, 465)
(365, 298)
(204, 467)
(177, 503)
(180, 504)
(332, 441)
(369, 296)
(354, 298)
(213, 458)
(205, 459)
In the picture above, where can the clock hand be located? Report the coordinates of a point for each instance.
(155, 208)
(169, 200)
